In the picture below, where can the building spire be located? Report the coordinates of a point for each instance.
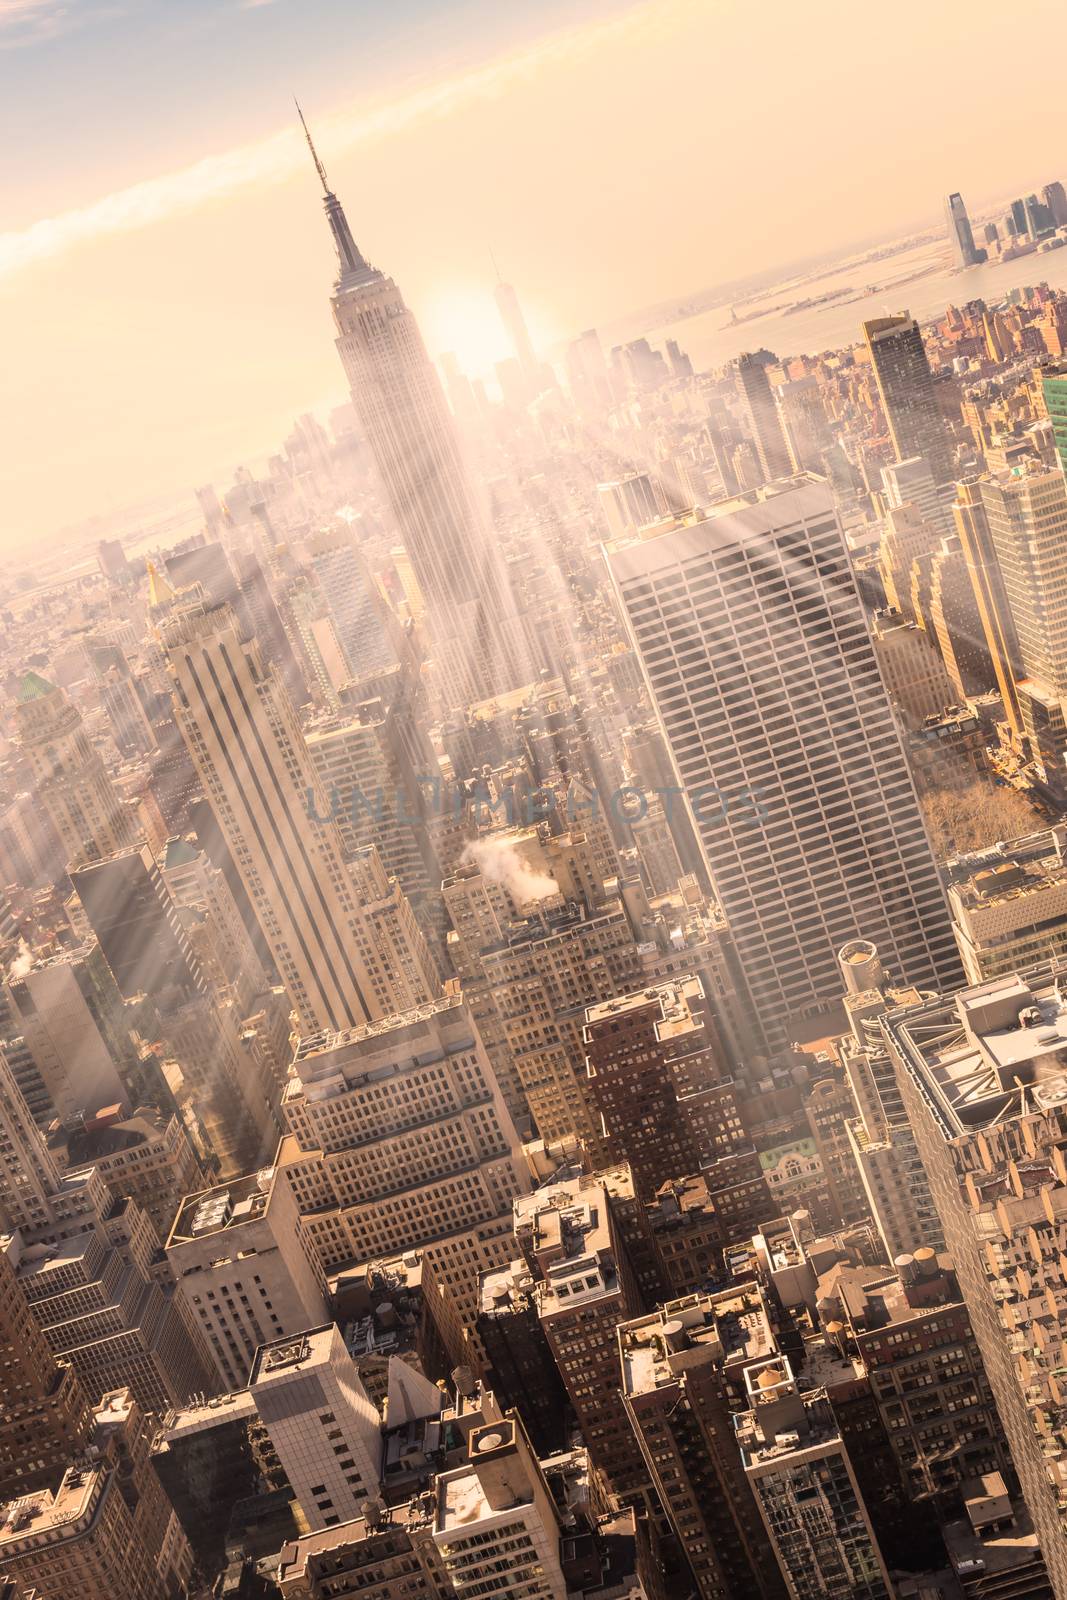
(348, 254)
(319, 168)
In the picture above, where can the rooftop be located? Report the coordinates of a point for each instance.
(461, 1497)
(783, 1421)
(34, 687)
(285, 1358)
(397, 1025)
(553, 918)
(675, 1001)
(84, 1145)
(989, 1053)
(984, 871)
(873, 1298)
(227, 1206)
(220, 1409)
(379, 1522)
(180, 853)
(47, 1514)
(506, 1289)
(744, 517)
(1003, 1552)
(569, 1233)
(731, 1329)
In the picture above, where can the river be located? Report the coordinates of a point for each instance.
(916, 280)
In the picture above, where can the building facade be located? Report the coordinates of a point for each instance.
(757, 657)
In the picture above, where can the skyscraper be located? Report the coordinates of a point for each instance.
(570, 1236)
(412, 1148)
(45, 1413)
(321, 1422)
(402, 410)
(358, 611)
(766, 424)
(1055, 197)
(801, 1473)
(1026, 510)
(69, 1011)
(964, 249)
(630, 503)
(507, 303)
(651, 1074)
(683, 1372)
(81, 1264)
(1025, 520)
(107, 1528)
(244, 738)
(998, 626)
(906, 387)
(497, 1525)
(755, 650)
(1038, 217)
(981, 1074)
(245, 1269)
(129, 908)
(70, 779)
(1054, 391)
(911, 483)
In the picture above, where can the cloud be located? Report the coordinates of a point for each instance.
(26, 22)
(14, 12)
(23, 21)
(279, 156)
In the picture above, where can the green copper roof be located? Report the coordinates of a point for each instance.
(34, 687)
(178, 853)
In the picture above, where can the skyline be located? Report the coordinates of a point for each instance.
(533, 891)
(130, 246)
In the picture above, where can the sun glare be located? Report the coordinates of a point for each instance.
(464, 319)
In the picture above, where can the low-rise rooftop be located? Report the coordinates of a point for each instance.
(731, 1329)
(49, 1514)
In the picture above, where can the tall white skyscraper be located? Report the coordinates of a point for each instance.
(244, 738)
(403, 413)
(507, 303)
(760, 665)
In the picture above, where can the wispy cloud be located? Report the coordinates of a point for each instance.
(276, 158)
(14, 12)
(26, 22)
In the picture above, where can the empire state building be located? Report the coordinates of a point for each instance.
(402, 410)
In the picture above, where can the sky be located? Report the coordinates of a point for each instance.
(165, 267)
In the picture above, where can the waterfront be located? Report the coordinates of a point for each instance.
(918, 280)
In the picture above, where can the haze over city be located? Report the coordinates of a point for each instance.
(533, 802)
(160, 257)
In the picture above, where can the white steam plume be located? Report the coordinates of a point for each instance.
(22, 964)
(500, 862)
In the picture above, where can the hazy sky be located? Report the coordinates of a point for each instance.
(165, 266)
